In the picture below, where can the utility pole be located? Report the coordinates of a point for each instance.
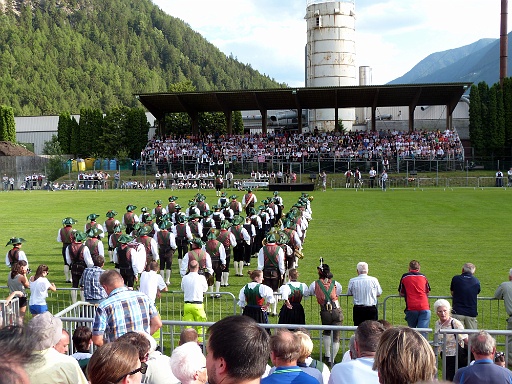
(503, 41)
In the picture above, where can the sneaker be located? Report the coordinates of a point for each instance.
(216, 296)
(167, 283)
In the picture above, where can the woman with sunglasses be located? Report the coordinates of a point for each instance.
(39, 286)
(116, 363)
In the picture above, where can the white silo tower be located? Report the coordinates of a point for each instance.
(365, 78)
(331, 55)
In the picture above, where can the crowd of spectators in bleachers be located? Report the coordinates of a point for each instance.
(358, 145)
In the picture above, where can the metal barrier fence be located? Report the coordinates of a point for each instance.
(10, 312)
(402, 181)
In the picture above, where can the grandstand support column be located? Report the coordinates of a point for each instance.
(263, 121)
(411, 118)
(374, 120)
(299, 120)
(229, 121)
(194, 116)
(449, 118)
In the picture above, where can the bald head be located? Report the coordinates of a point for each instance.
(111, 279)
(193, 265)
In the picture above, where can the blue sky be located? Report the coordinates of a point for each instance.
(391, 35)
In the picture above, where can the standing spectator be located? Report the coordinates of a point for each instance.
(499, 179)
(504, 291)
(509, 177)
(372, 174)
(82, 342)
(122, 311)
(151, 283)
(63, 345)
(229, 179)
(39, 286)
(17, 282)
(443, 310)
(403, 356)
(93, 292)
(188, 364)
(365, 290)
(483, 371)
(5, 181)
(465, 289)
(51, 366)
(414, 287)
(237, 351)
(384, 179)
(194, 286)
(285, 348)
(359, 370)
(327, 290)
(323, 179)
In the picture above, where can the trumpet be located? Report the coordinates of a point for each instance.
(310, 198)
(298, 254)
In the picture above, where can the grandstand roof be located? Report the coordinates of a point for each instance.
(411, 95)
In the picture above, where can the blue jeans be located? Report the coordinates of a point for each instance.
(418, 319)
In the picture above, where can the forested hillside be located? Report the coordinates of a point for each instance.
(64, 55)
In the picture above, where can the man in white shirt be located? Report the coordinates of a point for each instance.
(365, 290)
(194, 286)
(151, 283)
(359, 371)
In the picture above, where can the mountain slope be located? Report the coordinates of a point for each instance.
(63, 55)
(447, 66)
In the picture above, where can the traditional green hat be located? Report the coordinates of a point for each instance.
(261, 207)
(68, 221)
(276, 193)
(79, 236)
(177, 206)
(233, 197)
(138, 226)
(225, 205)
(181, 219)
(249, 189)
(271, 238)
(224, 224)
(93, 232)
(144, 230)
(144, 209)
(165, 224)
(124, 239)
(92, 216)
(207, 213)
(172, 198)
(216, 207)
(283, 237)
(111, 213)
(252, 211)
(238, 220)
(194, 216)
(150, 218)
(158, 202)
(15, 240)
(304, 194)
(200, 197)
(166, 217)
(131, 208)
(118, 228)
(223, 194)
(191, 203)
(212, 234)
(197, 241)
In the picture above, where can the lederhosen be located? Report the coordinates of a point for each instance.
(329, 312)
(110, 223)
(66, 235)
(295, 315)
(200, 256)
(181, 240)
(212, 247)
(129, 221)
(258, 239)
(248, 247)
(290, 259)
(146, 242)
(254, 304)
(271, 272)
(124, 260)
(13, 255)
(164, 249)
(77, 267)
(158, 214)
(238, 251)
(224, 238)
(250, 204)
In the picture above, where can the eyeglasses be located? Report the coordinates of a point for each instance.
(142, 369)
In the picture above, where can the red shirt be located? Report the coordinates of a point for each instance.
(415, 288)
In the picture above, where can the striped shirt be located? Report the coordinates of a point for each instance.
(365, 290)
(121, 312)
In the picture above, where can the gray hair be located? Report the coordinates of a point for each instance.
(469, 268)
(186, 360)
(482, 343)
(442, 303)
(362, 267)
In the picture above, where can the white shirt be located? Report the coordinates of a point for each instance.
(86, 254)
(193, 286)
(358, 371)
(280, 260)
(39, 291)
(285, 290)
(365, 289)
(150, 283)
(138, 258)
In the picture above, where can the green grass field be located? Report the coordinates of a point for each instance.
(442, 229)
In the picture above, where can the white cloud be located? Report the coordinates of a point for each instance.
(391, 35)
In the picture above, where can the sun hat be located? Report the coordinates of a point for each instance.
(46, 330)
